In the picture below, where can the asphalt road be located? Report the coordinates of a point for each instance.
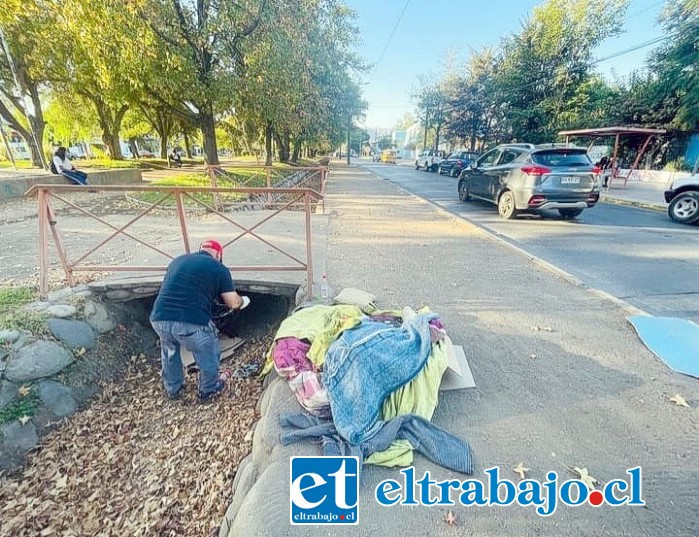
(634, 254)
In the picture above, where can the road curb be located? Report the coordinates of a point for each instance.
(629, 309)
(638, 204)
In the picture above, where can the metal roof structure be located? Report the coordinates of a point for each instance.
(611, 131)
(617, 133)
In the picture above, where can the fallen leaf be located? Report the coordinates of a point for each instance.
(248, 437)
(679, 400)
(24, 420)
(80, 352)
(521, 470)
(451, 519)
(585, 477)
(532, 356)
(24, 390)
(454, 284)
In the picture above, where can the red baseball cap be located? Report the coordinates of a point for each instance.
(211, 244)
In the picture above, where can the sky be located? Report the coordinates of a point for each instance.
(405, 39)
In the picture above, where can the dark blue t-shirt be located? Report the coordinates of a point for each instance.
(191, 285)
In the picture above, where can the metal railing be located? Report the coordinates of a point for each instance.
(293, 199)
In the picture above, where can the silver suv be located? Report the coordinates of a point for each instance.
(532, 178)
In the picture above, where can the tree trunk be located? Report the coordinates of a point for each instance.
(282, 148)
(297, 151)
(208, 131)
(134, 148)
(163, 148)
(113, 145)
(269, 132)
(187, 145)
(110, 123)
(36, 123)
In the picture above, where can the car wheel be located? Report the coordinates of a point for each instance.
(684, 208)
(570, 213)
(506, 205)
(464, 194)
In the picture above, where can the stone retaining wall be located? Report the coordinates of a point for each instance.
(31, 367)
(16, 187)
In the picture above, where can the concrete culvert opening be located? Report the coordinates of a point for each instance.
(131, 459)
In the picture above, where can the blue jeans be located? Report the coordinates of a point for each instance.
(201, 341)
(76, 176)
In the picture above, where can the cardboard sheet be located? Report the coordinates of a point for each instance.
(228, 347)
(458, 375)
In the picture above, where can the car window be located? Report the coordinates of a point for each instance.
(561, 158)
(508, 155)
(489, 158)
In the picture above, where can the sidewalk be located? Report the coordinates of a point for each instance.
(586, 394)
(646, 194)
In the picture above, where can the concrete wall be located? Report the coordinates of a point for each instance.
(15, 187)
(655, 176)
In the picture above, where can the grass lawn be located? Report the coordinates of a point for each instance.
(13, 316)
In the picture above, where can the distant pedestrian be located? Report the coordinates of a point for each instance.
(604, 171)
(62, 165)
(183, 316)
(175, 159)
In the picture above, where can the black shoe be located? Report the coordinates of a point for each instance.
(176, 396)
(218, 390)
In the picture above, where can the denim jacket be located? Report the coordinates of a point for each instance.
(366, 364)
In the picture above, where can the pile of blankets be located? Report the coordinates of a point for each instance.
(369, 381)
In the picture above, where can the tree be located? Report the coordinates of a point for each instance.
(201, 53)
(69, 118)
(471, 107)
(676, 65)
(542, 68)
(99, 51)
(22, 28)
(432, 105)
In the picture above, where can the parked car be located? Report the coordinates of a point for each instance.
(388, 156)
(144, 153)
(528, 178)
(455, 163)
(683, 197)
(429, 160)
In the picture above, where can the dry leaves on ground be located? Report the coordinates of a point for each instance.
(679, 400)
(585, 477)
(134, 463)
(520, 470)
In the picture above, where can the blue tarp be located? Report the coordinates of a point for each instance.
(675, 341)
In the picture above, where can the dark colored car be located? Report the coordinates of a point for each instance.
(455, 163)
(532, 178)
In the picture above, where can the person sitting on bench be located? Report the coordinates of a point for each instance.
(175, 159)
(62, 165)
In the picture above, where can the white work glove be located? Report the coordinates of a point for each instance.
(246, 302)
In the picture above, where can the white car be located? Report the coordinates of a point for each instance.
(429, 160)
(683, 197)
